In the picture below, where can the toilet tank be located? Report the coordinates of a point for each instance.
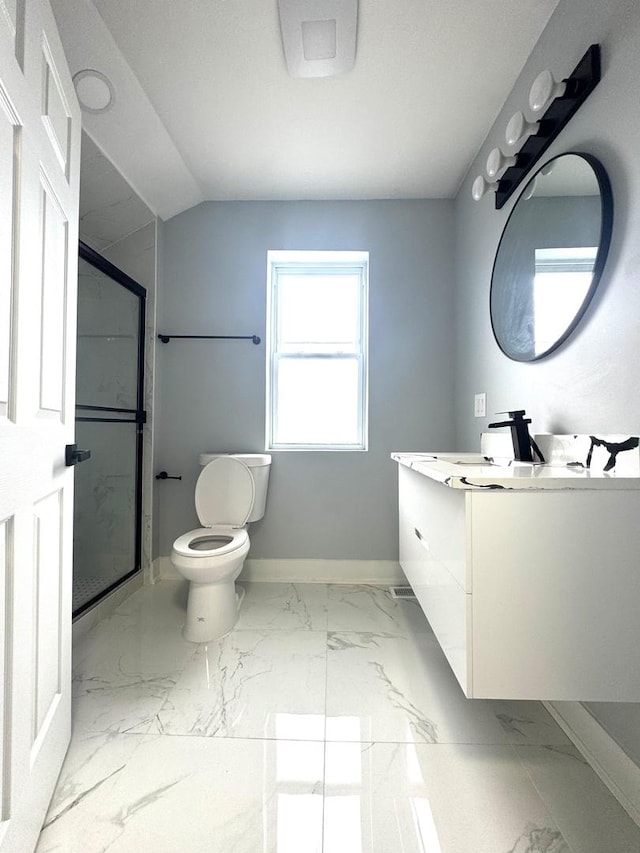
(259, 464)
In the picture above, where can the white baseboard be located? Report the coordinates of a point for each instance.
(382, 572)
(618, 772)
(324, 571)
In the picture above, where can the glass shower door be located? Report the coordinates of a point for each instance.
(109, 422)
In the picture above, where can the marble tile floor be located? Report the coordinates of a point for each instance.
(328, 721)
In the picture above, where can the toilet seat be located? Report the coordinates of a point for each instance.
(225, 492)
(237, 538)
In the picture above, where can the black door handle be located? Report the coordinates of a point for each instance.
(72, 455)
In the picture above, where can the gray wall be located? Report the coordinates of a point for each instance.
(331, 505)
(591, 383)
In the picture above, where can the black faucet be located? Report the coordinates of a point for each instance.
(519, 434)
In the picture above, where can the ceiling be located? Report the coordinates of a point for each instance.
(205, 109)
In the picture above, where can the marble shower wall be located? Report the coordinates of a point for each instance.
(116, 222)
(104, 507)
(110, 209)
(136, 255)
(108, 319)
(104, 510)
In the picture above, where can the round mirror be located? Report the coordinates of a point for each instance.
(551, 256)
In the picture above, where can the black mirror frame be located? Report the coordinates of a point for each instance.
(606, 228)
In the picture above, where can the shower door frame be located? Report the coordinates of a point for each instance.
(137, 415)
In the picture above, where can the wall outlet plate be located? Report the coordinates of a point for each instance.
(480, 406)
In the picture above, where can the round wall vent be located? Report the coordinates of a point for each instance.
(94, 90)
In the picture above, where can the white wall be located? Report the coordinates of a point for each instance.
(340, 505)
(591, 383)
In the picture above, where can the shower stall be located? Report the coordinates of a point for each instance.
(109, 422)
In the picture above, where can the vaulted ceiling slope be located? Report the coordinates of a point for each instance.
(205, 109)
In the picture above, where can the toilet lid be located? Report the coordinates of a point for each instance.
(224, 493)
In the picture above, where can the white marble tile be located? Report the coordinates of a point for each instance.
(131, 709)
(284, 606)
(158, 606)
(214, 795)
(590, 817)
(268, 684)
(455, 775)
(123, 672)
(91, 768)
(120, 651)
(395, 689)
(373, 608)
(528, 722)
(433, 799)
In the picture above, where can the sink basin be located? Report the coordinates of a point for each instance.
(474, 459)
(458, 458)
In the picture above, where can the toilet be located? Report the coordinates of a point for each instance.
(231, 492)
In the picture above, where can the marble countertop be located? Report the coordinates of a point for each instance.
(474, 471)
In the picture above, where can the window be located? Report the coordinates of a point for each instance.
(561, 282)
(316, 350)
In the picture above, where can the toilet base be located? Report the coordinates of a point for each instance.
(212, 611)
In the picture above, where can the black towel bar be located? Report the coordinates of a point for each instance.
(256, 340)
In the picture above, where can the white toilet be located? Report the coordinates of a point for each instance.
(231, 492)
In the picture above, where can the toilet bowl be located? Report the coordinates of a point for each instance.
(230, 493)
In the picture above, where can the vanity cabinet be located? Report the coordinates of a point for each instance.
(532, 593)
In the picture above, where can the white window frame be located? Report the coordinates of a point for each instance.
(315, 263)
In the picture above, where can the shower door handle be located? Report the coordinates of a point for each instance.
(72, 455)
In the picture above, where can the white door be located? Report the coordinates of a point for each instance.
(39, 179)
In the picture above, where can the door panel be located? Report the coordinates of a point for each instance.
(52, 299)
(39, 179)
(55, 111)
(12, 28)
(11, 25)
(9, 159)
(8, 12)
(48, 625)
(6, 575)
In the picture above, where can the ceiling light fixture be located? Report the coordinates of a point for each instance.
(318, 36)
(497, 163)
(482, 186)
(545, 89)
(552, 104)
(518, 129)
(94, 90)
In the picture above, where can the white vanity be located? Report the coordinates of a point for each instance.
(528, 574)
